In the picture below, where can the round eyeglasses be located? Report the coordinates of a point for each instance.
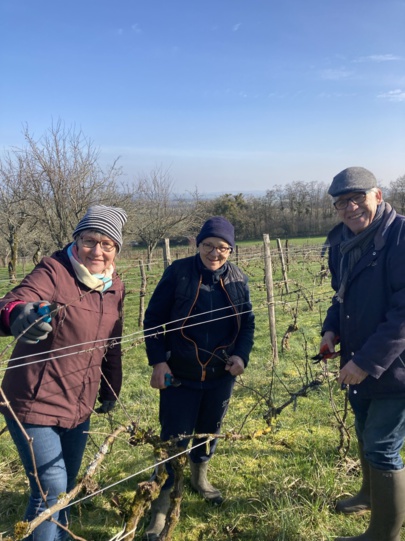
(357, 199)
(208, 248)
(105, 245)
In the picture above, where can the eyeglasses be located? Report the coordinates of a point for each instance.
(357, 199)
(208, 248)
(105, 245)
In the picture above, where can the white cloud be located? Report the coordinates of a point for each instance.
(336, 74)
(135, 28)
(397, 95)
(378, 58)
(333, 95)
(236, 27)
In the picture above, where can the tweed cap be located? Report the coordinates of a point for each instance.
(217, 226)
(352, 179)
(106, 220)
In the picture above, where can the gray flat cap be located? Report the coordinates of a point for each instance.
(352, 179)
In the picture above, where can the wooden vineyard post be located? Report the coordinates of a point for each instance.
(142, 293)
(166, 254)
(270, 295)
(236, 255)
(287, 254)
(283, 267)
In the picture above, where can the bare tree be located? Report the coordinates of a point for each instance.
(15, 220)
(64, 178)
(158, 212)
(397, 194)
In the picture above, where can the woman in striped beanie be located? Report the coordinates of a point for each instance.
(66, 317)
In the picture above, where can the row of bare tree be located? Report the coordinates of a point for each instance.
(47, 185)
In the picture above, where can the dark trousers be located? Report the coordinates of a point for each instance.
(380, 427)
(199, 409)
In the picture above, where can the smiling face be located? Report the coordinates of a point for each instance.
(95, 259)
(358, 216)
(214, 252)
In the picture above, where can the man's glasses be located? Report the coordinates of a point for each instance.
(105, 245)
(208, 248)
(357, 199)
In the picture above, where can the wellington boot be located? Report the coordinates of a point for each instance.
(159, 508)
(200, 483)
(387, 507)
(361, 502)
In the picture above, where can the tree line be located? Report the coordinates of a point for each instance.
(47, 185)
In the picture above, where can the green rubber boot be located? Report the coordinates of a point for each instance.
(387, 507)
(159, 508)
(200, 483)
(360, 503)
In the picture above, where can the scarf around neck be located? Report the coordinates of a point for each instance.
(98, 282)
(211, 276)
(353, 247)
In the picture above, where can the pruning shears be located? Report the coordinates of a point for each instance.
(48, 310)
(325, 353)
(226, 357)
(171, 381)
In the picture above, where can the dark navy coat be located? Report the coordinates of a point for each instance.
(371, 320)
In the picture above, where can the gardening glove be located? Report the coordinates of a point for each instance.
(23, 316)
(106, 406)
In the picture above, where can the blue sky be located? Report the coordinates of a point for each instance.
(227, 95)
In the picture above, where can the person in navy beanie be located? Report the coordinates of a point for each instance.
(199, 329)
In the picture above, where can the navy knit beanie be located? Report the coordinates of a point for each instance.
(217, 226)
(106, 220)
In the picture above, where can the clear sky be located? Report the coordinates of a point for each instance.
(228, 95)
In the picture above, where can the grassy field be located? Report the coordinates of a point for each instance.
(281, 486)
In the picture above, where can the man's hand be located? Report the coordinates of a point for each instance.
(327, 345)
(26, 324)
(235, 365)
(351, 374)
(157, 381)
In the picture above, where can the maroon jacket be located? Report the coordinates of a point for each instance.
(55, 382)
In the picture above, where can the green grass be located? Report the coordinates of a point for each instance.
(281, 486)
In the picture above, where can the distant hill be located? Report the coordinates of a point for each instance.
(214, 195)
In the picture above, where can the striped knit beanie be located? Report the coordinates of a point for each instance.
(106, 220)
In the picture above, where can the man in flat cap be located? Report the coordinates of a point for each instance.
(367, 264)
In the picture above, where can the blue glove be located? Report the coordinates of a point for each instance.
(22, 316)
(106, 406)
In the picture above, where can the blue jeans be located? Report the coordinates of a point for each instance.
(58, 454)
(380, 427)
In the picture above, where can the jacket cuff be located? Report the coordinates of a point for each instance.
(5, 314)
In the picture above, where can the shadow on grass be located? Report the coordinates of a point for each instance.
(12, 509)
